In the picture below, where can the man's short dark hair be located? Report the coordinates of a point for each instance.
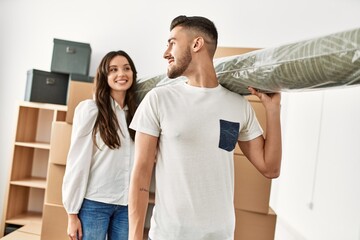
(197, 23)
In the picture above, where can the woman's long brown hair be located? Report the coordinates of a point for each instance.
(106, 122)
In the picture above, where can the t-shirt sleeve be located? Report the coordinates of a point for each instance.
(146, 118)
(251, 128)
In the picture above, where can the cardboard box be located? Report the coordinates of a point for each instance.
(54, 223)
(229, 51)
(255, 226)
(260, 115)
(252, 189)
(34, 228)
(60, 142)
(18, 235)
(54, 184)
(78, 91)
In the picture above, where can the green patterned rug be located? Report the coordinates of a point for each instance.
(319, 63)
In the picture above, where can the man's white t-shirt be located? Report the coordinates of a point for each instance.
(197, 129)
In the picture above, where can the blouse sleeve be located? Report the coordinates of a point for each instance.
(79, 156)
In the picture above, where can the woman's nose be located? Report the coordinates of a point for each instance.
(121, 72)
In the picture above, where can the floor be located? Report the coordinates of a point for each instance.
(282, 232)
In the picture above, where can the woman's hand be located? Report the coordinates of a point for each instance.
(74, 230)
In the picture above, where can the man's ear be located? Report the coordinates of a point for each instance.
(198, 44)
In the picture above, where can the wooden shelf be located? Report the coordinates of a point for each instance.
(40, 145)
(26, 218)
(35, 182)
(49, 106)
(27, 182)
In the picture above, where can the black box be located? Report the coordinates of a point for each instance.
(81, 78)
(46, 87)
(9, 228)
(70, 57)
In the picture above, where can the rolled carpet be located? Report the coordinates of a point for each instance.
(318, 63)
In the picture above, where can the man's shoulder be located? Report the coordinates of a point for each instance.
(166, 89)
(233, 94)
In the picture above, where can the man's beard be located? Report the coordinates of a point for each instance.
(183, 64)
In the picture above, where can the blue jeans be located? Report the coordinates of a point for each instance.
(99, 220)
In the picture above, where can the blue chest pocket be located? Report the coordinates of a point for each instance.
(229, 132)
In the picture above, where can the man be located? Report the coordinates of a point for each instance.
(191, 129)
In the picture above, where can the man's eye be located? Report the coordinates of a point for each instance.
(170, 44)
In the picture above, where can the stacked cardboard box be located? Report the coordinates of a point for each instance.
(54, 222)
(255, 220)
(255, 226)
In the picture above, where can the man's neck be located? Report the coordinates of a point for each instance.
(202, 77)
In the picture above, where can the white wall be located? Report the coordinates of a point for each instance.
(321, 154)
(318, 193)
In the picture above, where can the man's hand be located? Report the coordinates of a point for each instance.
(269, 100)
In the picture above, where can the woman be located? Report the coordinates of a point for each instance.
(100, 158)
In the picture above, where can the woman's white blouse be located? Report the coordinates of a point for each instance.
(99, 174)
